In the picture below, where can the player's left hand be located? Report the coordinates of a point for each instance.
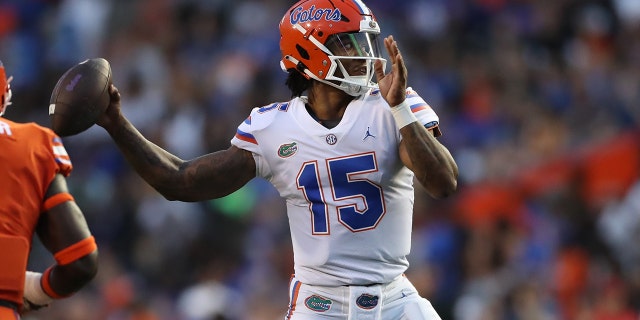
(392, 85)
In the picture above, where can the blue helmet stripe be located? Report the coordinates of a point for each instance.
(363, 8)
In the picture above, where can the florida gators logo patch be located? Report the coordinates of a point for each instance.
(367, 301)
(318, 303)
(287, 150)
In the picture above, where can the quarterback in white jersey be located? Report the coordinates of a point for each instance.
(349, 197)
(344, 157)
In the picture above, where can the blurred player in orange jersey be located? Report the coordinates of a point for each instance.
(34, 199)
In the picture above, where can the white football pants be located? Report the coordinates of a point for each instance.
(396, 300)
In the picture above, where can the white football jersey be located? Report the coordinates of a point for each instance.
(349, 197)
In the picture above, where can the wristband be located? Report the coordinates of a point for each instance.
(33, 289)
(403, 115)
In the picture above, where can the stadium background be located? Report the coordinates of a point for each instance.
(538, 102)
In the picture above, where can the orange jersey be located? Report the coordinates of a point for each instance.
(30, 157)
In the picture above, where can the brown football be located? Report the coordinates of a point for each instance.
(80, 97)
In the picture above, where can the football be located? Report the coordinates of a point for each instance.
(80, 96)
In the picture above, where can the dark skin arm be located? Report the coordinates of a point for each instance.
(210, 176)
(431, 162)
(60, 227)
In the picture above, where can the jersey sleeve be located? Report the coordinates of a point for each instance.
(246, 139)
(423, 111)
(60, 156)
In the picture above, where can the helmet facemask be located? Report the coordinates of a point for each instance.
(352, 57)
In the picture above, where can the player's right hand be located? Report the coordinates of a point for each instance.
(111, 115)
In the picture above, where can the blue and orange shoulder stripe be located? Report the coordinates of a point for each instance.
(245, 136)
(59, 152)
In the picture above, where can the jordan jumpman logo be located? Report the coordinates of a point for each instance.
(368, 134)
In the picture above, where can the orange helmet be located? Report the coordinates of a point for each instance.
(318, 37)
(5, 90)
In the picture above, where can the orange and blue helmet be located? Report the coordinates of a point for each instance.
(318, 37)
(5, 90)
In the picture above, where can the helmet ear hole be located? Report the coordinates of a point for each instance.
(301, 67)
(303, 52)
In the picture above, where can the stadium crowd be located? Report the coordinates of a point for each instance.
(538, 102)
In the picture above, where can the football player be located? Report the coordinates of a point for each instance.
(344, 157)
(35, 199)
